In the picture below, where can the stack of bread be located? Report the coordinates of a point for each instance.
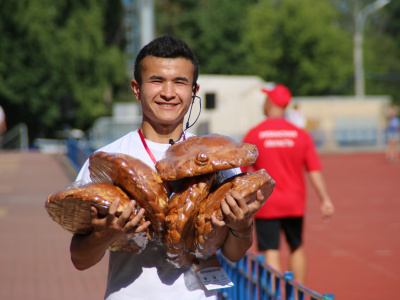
(180, 222)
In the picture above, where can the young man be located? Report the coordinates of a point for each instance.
(166, 72)
(284, 152)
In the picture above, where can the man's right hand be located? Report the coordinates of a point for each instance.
(88, 250)
(112, 227)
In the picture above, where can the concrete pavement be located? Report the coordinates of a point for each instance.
(34, 250)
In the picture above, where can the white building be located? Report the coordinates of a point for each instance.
(231, 105)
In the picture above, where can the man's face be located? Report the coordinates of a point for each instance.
(166, 91)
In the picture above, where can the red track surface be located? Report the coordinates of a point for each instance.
(354, 256)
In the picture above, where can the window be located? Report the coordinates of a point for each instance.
(210, 100)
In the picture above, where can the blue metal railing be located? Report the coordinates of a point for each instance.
(77, 153)
(253, 279)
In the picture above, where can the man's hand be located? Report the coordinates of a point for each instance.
(238, 216)
(113, 227)
(88, 250)
(327, 208)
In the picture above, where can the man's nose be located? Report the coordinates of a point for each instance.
(168, 91)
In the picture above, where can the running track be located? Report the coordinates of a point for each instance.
(354, 256)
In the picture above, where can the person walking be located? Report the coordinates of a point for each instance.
(165, 83)
(3, 125)
(392, 134)
(285, 150)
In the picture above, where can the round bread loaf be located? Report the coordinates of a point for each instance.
(70, 208)
(208, 238)
(138, 180)
(204, 154)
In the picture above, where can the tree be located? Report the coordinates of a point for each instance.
(56, 63)
(300, 44)
(214, 30)
(381, 44)
(382, 55)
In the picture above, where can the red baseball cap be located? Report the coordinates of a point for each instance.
(278, 94)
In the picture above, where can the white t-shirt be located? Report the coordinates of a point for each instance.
(148, 275)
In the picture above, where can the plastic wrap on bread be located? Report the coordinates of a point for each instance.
(206, 154)
(181, 217)
(138, 180)
(208, 238)
(70, 207)
(181, 224)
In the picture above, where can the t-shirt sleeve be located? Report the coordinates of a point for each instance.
(248, 139)
(312, 160)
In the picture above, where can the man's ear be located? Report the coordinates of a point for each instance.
(196, 88)
(136, 89)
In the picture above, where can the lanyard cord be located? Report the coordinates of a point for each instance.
(151, 154)
(146, 147)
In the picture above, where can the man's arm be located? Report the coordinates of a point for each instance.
(3, 126)
(318, 183)
(239, 219)
(88, 250)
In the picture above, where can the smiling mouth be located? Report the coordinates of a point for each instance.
(167, 104)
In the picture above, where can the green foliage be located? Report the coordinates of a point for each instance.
(62, 62)
(381, 55)
(382, 52)
(305, 44)
(294, 42)
(214, 29)
(56, 63)
(299, 44)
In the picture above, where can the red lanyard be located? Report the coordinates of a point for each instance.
(147, 147)
(151, 154)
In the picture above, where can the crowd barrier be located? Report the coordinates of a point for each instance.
(77, 153)
(253, 279)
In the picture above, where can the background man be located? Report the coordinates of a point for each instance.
(284, 151)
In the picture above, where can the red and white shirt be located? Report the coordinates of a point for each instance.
(285, 152)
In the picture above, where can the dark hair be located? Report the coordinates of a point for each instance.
(166, 47)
